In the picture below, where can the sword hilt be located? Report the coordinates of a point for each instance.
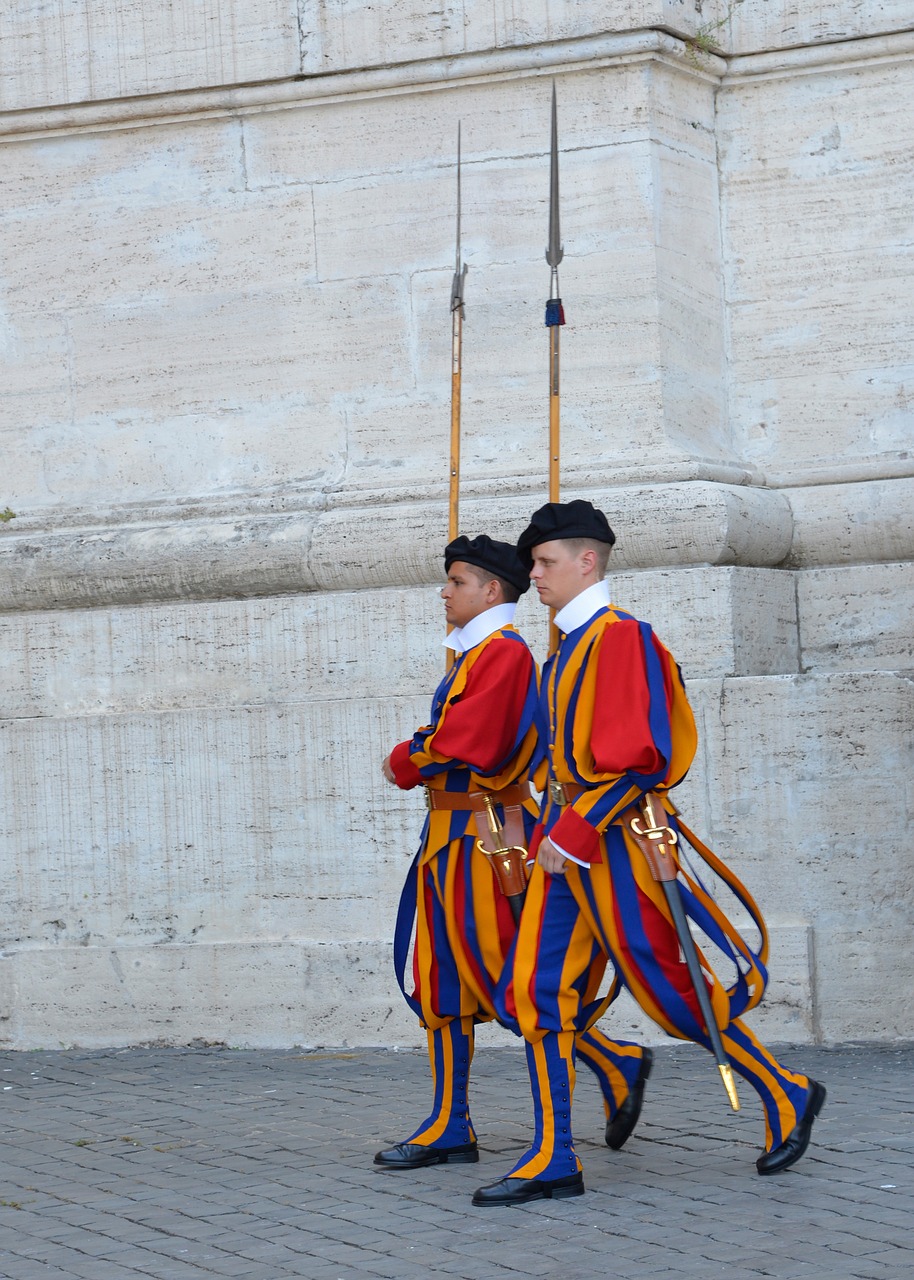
(661, 838)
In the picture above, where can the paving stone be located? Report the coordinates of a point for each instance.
(263, 1191)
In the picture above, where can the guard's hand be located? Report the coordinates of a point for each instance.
(550, 859)
(388, 772)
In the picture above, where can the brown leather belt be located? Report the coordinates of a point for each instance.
(562, 793)
(476, 800)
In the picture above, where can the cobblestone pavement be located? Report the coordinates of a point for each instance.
(190, 1164)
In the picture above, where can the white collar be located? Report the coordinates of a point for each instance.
(461, 639)
(583, 607)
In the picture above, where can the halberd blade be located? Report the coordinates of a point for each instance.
(555, 252)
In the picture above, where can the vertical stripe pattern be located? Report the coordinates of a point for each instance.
(550, 1062)
(450, 1052)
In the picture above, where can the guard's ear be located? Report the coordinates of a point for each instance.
(588, 559)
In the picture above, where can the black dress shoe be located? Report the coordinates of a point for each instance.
(797, 1140)
(523, 1190)
(409, 1155)
(621, 1127)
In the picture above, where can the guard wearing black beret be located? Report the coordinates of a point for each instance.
(616, 725)
(477, 747)
(564, 520)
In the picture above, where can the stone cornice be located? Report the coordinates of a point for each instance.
(422, 75)
(344, 547)
(865, 523)
(777, 63)
(428, 75)
(245, 549)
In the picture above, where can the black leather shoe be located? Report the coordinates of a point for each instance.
(621, 1127)
(523, 1190)
(409, 1155)
(797, 1140)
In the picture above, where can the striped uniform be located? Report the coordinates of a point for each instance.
(614, 714)
(481, 736)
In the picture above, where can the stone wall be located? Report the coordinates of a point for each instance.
(226, 246)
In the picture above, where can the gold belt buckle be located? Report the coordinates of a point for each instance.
(557, 793)
(428, 799)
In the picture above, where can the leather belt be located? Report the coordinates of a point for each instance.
(517, 793)
(562, 793)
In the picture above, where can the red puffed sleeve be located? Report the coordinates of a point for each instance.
(480, 727)
(627, 759)
(621, 739)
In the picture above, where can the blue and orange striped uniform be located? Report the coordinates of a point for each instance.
(616, 722)
(481, 735)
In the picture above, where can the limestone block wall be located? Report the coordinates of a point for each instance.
(226, 246)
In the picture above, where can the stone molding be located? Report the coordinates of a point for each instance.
(841, 524)
(245, 552)
(806, 59)
(422, 75)
(429, 75)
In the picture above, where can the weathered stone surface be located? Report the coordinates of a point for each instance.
(868, 522)
(270, 994)
(212, 281)
(754, 631)
(198, 826)
(796, 768)
(87, 50)
(857, 619)
(347, 547)
(310, 648)
(816, 208)
(779, 24)
(331, 993)
(221, 655)
(365, 34)
(223, 418)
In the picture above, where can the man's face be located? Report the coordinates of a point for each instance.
(465, 596)
(559, 574)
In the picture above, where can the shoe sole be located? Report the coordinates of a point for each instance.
(461, 1157)
(564, 1193)
(547, 1193)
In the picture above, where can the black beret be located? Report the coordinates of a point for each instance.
(498, 558)
(556, 520)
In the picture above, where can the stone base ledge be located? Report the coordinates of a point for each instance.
(275, 995)
(350, 548)
(250, 554)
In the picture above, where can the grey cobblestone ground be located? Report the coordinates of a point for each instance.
(192, 1164)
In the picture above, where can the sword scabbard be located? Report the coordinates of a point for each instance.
(505, 852)
(648, 827)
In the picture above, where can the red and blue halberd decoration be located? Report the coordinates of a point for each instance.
(555, 312)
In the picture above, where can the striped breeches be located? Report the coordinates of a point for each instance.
(613, 911)
(464, 937)
(464, 930)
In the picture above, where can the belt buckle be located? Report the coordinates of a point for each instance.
(557, 793)
(428, 799)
